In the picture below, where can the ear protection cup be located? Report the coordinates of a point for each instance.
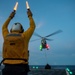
(10, 30)
(22, 30)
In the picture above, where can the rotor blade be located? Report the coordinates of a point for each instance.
(34, 40)
(37, 35)
(49, 39)
(54, 33)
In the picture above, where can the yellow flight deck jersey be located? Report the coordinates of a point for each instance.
(26, 35)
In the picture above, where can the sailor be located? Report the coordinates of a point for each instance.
(15, 46)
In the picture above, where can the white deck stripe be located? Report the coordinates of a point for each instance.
(67, 73)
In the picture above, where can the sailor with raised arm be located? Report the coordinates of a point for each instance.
(15, 45)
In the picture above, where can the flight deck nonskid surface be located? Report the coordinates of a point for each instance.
(49, 72)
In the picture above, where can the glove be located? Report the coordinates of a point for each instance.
(29, 13)
(12, 15)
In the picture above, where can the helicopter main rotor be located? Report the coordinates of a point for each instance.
(46, 37)
(54, 33)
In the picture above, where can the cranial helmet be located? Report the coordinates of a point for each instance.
(17, 27)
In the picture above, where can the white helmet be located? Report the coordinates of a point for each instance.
(17, 27)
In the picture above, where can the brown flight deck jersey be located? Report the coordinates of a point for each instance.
(26, 35)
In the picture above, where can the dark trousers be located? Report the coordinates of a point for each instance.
(20, 69)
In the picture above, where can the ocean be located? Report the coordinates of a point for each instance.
(55, 70)
(53, 66)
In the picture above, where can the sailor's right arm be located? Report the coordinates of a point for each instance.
(6, 23)
(5, 27)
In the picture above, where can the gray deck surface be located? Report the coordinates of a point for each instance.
(47, 72)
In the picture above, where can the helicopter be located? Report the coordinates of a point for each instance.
(44, 44)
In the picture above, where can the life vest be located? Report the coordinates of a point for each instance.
(13, 47)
